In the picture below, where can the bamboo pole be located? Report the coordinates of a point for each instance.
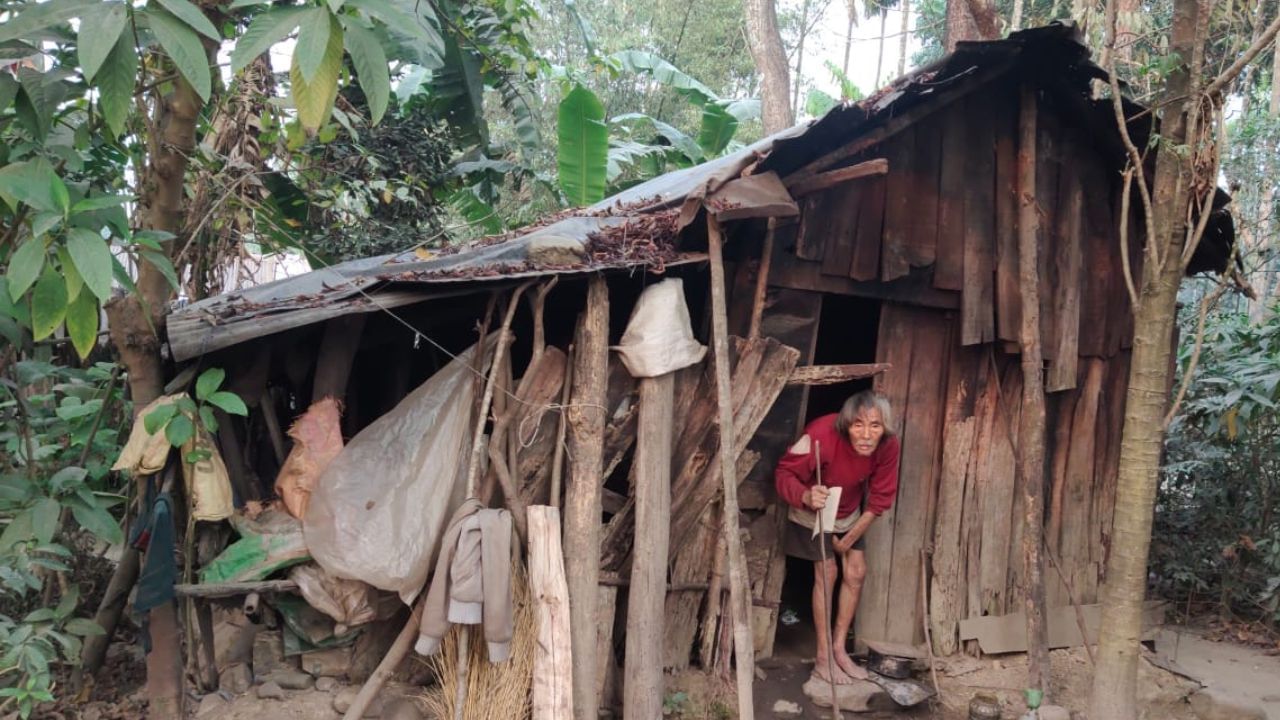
(739, 588)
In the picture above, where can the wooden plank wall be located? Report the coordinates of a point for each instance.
(947, 211)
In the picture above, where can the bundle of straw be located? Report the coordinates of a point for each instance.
(495, 691)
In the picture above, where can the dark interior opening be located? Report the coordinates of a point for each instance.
(848, 328)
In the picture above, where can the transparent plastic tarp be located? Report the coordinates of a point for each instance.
(378, 510)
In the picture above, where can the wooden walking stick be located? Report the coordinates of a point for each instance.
(826, 595)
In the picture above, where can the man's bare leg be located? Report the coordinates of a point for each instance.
(821, 622)
(855, 571)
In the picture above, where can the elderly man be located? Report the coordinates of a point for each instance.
(859, 454)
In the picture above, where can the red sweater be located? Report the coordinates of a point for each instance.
(842, 467)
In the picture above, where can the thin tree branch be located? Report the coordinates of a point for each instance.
(1205, 302)
(1220, 83)
(1125, 195)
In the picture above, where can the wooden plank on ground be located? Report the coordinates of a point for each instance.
(1008, 633)
(893, 346)
(918, 471)
(948, 274)
(869, 238)
(926, 175)
(894, 257)
(977, 312)
(1007, 301)
(553, 654)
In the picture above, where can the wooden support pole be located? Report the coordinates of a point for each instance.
(553, 658)
(739, 587)
(586, 417)
(94, 650)
(643, 689)
(337, 354)
(1031, 432)
(762, 280)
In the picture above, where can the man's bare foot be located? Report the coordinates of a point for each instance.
(849, 667)
(820, 671)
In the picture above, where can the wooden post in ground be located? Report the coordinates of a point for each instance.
(643, 687)
(739, 587)
(553, 658)
(586, 425)
(1031, 432)
(337, 355)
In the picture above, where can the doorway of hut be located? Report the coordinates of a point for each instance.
(847, 331)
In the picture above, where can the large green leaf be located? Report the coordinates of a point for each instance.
(99, 30)
(583, 155)
(413, 20)
(92, 257)
(25, 266)
(75, 283)
(687, 146)
(48, 303)
(265, 30)
(313, 42)
(456, 93)
(314, 98)
(184, 49)
(192, 16)
(82, 323)
(116, 81)
(371, 68)
(8, 90)
(44, 91)
(33, 182)
(39, 16)
(44, 519)
(718, 128)
(98, 521)
(641, 62)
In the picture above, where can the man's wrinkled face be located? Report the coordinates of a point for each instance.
(865, 431)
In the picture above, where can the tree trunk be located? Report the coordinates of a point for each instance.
(771, 62)
(804, 30)
(884, 18)
(1116, 673)
(1031, 432)
(902, 37)
(1015, 19)
(1266, 204)
(970, 20)
(848, 39)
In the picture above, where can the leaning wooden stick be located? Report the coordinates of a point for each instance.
(826, 594)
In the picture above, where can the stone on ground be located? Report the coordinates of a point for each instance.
(1054, 712)
(270, 691)
(235, 679)
(860, 696)
(211, 705)
(291, 679)
(1209, 705)
(342, 702)
(787, 709)
(326, 684)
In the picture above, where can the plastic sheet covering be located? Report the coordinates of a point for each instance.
(207, 480)
(317, 437)
(659, 336)
(379, 509)
(348, 602)
(145, 453)
(270, 540)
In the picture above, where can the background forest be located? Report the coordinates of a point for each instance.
(156, 151)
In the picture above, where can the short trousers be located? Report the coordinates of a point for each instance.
(798, 543)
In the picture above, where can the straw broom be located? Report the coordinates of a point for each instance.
(495, 691)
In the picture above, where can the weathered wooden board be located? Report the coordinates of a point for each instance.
(690, 565)
(1049, 156)
(946, 600)
(837, 219)
(1077, 508)
(948, 273)
(977, 312)
(918, 471)
(926, 176)
(895, 260)
(553, 657)
(1008, 302)
(1068, 261)
(866, 247)
(916, 288)
(1101, 258)
(893, 346)
(997, 498)
(810, 241)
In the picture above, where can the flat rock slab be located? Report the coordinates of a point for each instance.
(859, 696)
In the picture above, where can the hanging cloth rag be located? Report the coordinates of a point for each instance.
(155, 537)
(472, 581)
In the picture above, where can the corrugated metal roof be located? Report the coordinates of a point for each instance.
(638, 213)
